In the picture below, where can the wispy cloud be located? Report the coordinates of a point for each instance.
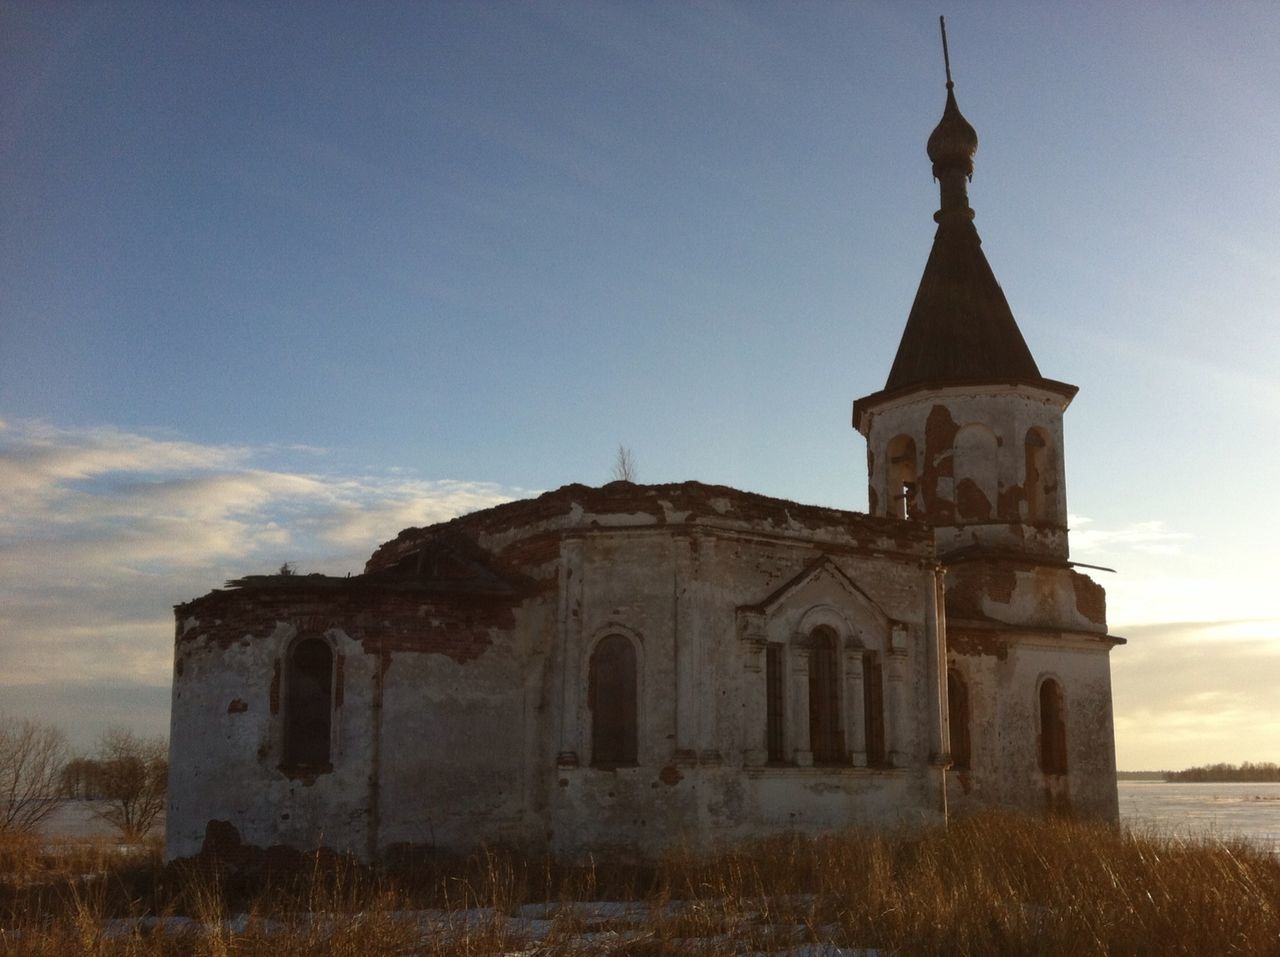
(102, 530)
(1150, 537)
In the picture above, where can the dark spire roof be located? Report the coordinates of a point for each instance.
(960, 328)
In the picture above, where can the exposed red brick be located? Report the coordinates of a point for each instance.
(939, 440)
(221, 839)
(971, 502)
(459, 626)
(670, 775)
(974, 643)
(1001, 582)
(1009, 502)
(539, 515)
(237, 706)
(970, 585)
(1091, 599)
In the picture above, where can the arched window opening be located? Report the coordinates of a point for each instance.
(775, 683)
(611, 696)
(974, 469)
(1041, 483)
(873, 708)
(308, 710)
(1053, 729)
(958, 719)
(902, 477)
(825, 737)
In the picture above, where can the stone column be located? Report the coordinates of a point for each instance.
(797, 718)
(754, 707)
(571, 733)
(937, 622)
(936, 649)
(855, 711)
(896, 723)
(711, 737)
(693, 683)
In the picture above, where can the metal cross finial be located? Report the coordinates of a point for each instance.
(946, 57)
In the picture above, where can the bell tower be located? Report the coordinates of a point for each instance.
(966, 439)
(966, 433)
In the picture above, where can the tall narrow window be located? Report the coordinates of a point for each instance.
(611, 696)
(1041, 483)
(873, 708)
(1053, 729)
(825, 738)
(902, 477)
(308, 708)
(774, 685)
(958, 719)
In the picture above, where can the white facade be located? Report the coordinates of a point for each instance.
(459, 693)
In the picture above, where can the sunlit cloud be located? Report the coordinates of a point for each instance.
(103, 530)
(1164, 577)
(1192, 693)
(1172, 593)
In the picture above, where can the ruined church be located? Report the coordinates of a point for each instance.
(644, 665)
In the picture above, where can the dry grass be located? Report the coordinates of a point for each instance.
(988, 886)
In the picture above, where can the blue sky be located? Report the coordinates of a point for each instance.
(277, 280)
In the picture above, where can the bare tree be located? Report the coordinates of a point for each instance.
(132, 777)
(31, 759)
(78, 779)
(624, 465)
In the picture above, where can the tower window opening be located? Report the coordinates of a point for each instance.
(902, 477)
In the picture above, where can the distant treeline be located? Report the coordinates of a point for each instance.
(1248, 772)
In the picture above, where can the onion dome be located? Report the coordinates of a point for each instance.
(953, 141)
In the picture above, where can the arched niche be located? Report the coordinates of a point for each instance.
(976, 471)
(612, 699)
(308, 703)
(1040, 482)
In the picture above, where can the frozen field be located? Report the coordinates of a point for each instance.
(1221, 810)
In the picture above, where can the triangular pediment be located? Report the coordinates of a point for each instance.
(821, 583)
